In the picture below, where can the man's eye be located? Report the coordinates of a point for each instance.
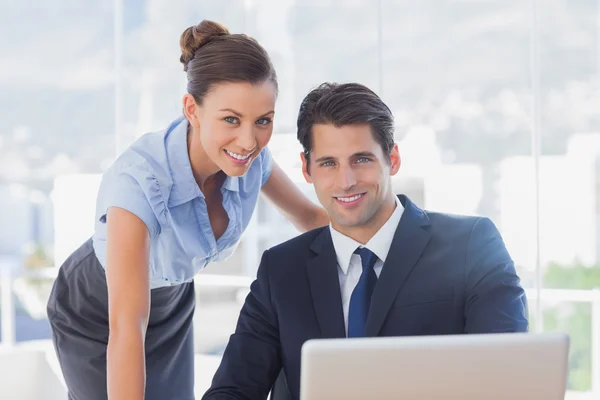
(327, 164)
(362, 159)
(231, 120)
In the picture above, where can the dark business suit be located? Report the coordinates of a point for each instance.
(444, 274)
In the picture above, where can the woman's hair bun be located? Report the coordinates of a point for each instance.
(197, 36)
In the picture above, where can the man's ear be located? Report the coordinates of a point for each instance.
(395, 160)
(305, 168)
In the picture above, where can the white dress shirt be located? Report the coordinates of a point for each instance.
(349, 264)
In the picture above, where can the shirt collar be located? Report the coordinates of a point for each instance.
(184, 187)
(344, 247)
(379, 244)
(232, 183)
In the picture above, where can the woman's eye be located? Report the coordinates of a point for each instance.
(231, 120)
(264, 121)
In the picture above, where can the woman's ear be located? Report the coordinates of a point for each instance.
(190, 109)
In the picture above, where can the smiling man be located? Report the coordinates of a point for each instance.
(383, 267)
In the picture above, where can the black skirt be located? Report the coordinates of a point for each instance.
(78, 315)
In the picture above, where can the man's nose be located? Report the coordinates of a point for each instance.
(346, 178)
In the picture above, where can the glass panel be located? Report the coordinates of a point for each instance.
(57, 113)
(569, 43)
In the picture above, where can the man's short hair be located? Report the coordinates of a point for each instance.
(345, 104)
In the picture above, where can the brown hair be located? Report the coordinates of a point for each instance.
(210, 55)
(345, 104)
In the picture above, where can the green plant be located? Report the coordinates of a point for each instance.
(573, 318)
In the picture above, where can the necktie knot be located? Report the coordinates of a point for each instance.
(367, 257)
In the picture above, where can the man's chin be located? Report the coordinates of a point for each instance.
(347, 221)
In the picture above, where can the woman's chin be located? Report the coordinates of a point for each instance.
(234, 170)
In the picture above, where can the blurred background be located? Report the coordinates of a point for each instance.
(497, 106)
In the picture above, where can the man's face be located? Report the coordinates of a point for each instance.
(351, 175)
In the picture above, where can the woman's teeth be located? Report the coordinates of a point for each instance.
(238, 156)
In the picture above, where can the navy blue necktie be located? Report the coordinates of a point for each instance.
(360, 300)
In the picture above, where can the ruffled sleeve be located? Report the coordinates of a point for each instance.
(135, 190)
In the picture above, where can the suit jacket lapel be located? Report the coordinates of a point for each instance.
(325, 287)
(410, 240)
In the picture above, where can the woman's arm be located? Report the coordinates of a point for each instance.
(289, 199)
(127, 276)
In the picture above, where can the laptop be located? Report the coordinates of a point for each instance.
(502, 366)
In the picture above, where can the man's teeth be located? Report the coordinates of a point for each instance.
(350, 199)
(238, 156)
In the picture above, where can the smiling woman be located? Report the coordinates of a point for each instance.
(121, 308)
(231, 127)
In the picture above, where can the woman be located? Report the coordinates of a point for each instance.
(121, 308)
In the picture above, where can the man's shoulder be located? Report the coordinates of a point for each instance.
(297, 245)
(441, 222)
(455, 225)
(286, 261)
(450, 218)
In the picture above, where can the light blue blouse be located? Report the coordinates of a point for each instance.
(153, 179)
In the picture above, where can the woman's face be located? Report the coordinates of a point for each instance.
(234, 123)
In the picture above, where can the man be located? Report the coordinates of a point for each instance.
(383, 267)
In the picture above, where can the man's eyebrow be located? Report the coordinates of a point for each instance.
(363, 154)
(324, 158)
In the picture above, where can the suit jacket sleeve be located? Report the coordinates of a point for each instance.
(251, 360)
(495, 302)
